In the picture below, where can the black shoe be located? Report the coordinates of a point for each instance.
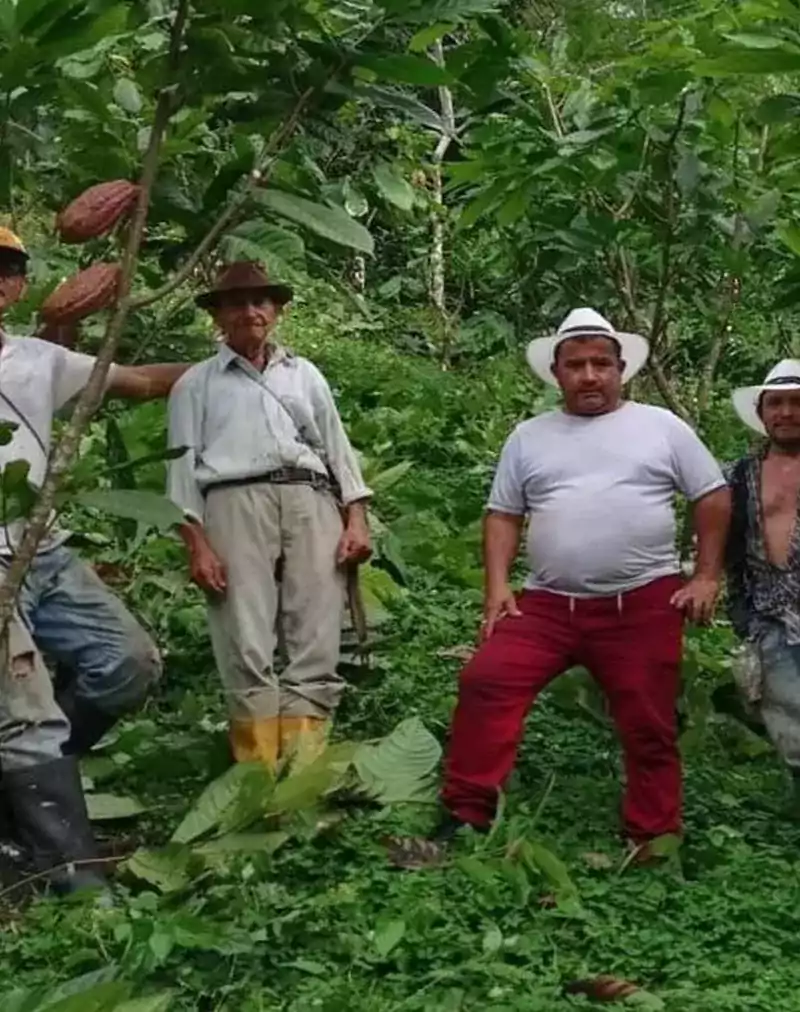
(88, 724)
(449, 826)
(51, 822)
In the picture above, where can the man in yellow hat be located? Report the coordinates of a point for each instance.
(268, 476)
(63, 610)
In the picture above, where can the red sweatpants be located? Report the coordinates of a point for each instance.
(632, 646)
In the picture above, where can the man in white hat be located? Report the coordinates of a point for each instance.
(596, 479)
(763, 555)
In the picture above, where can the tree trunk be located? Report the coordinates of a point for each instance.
(438, 275)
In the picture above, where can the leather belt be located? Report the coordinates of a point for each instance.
(280, 476)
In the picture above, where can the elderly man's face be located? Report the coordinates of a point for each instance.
(780, 413)
(589, 372)
(246, 318)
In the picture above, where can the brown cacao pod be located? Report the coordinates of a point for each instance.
(66, 334)
(81, 295)
(604, 988)
(96, 211)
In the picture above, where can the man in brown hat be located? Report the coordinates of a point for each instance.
(275, 508)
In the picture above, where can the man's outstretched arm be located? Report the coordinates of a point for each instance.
(144, 382)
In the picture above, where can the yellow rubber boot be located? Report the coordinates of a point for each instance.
(256, 740)
(303, 739)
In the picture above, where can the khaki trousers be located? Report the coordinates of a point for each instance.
(252, 527)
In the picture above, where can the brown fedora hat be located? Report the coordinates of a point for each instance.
(244, 275)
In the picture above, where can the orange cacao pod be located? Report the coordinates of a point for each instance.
(97, 210)
(81, 295)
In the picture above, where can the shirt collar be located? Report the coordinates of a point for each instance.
(228, 357)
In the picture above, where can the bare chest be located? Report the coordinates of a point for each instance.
(780, 490)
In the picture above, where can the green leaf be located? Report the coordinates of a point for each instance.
(749, 61)
(378, 589)
(329, 222)
(251, 801)
(106, 807)
(149, 458)
(426, 37)
(541, 859)
(427, 12)
(7, 430)
(355, 203)
(388, 937)
(303, 790)
(147, 508)
(402, 767)
(384, 480)
(37, 1000)
(127, 96)
(240, 843)
(408, 69)
(409, 106)
(393, 187)
(166, 868)
(217, 799)
(789, 235)
(752, 41)
(153, 1003)
(778, 109)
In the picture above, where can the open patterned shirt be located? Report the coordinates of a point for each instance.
(760, 593)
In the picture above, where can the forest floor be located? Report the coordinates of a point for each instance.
(325, 923)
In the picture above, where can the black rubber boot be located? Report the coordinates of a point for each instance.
(52, 824)
(88, 724)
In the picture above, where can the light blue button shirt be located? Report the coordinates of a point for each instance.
(241, 423)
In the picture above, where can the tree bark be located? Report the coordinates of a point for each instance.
(437, 258)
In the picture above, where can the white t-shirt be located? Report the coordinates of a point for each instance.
(599, 493)
(38, 378)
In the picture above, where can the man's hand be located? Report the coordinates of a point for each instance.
(698, 599)
(207, 570)
(205, 565)
(354, 546)
(497, 605)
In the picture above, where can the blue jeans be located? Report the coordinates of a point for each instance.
(68, 613)
(780, 701)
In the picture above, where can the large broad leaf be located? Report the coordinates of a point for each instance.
(378, 590)
(393, 187)
(167, 868)
(100, 998)
(280, 248)
(778, 109)
(107, 807)
(303, 790)
(332, 223)
(34, 1000)
(407, 69)
(410, 107)
(789, 235)
(749, 61)
(219, 798)
(539, 858)
(153, 1003)
(215, 851)
(403, 766)
(147, 508)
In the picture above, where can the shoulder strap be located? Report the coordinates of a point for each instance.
(26, 422)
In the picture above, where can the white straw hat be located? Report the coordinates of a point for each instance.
(586, 323)
(784, 376)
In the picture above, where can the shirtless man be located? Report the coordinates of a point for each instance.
(763, 555)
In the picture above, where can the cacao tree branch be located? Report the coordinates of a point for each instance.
(258, 178)
(92, 394)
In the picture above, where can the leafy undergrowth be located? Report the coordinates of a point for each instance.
(249, 896)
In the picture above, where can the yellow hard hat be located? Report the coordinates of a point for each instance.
(10, 241)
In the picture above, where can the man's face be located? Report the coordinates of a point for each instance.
(780, 413)
(246, 318)
(589, 372)
(12, 284)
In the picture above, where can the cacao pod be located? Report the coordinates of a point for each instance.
(604, 988)
(81, 295)
(66, 334)
(96, 211)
